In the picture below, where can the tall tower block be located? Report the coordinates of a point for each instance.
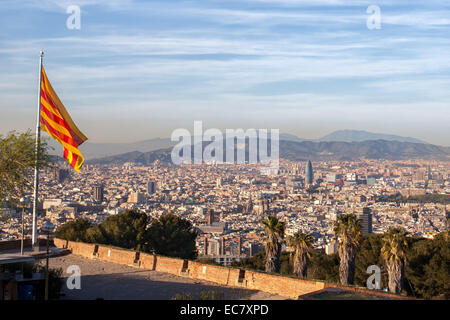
(309, 174)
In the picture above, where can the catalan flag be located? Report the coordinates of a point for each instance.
(56, 121)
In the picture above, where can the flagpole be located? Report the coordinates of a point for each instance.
(36, 170)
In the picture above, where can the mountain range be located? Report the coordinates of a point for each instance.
(353, 136)
(304, 150)
(104, 150)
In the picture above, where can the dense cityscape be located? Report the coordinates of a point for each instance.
(226, 203)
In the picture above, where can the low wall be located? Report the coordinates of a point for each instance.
(283, 286)
(274, 284)
(371, 292)
(15, 244)
(225, 276)
(115, 255)
(218, 274)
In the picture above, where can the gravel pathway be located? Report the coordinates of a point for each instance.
(110, 281)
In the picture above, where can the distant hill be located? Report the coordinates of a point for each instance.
(359, 135)
(300, 151)
(103, 150)
(371, 149)
(290, 137)
(145, 158)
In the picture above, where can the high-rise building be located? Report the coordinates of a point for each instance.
(265, 206)
(365, 217)
(447, 218)
(151, 187)
(262, 207)
(239, 245)
(214, 247)
(222, 246)
(98, 193)
(331, 247)
(429, 175)
(333, 178)
(60, 174)
(210, 216)
(248, 206)
(136, 197)
(309, 174)
(352, 177)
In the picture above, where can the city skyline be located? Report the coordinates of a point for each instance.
(149, 68)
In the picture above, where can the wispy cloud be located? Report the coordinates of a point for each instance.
(283, 62)
(62, 5)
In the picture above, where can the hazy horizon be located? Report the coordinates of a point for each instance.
(223, 131)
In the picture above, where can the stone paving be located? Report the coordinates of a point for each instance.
(109, 281)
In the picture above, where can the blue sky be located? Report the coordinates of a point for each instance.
(140, 69)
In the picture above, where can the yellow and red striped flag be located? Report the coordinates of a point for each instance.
(56, 121)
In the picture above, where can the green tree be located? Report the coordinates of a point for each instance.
(208, 261)
(369, 254)
(172, 236)
(302, 244)
(257, 262)
(286, 265)
(428, 268)
(274, 234)
(324, 267)
(320, 267)
(394, 253)
(95, 235)
(17, 163)
(73, 230)
(348, 229)
(126, 230)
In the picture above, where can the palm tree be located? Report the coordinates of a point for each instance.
(348, 229)
(302, 244)
(394, 253)
(274, 231)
